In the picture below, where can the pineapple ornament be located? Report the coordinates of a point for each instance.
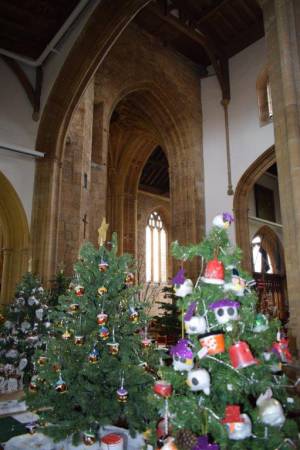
(186, 439)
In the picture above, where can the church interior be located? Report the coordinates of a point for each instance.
(146, 120)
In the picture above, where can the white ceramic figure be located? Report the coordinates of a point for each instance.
(199, 380)
(184, 289)
(196, 325)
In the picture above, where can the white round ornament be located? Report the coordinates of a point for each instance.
(271, 413)
(12, 354)
(25, 326)
(270, 410)
(196, 325)
(8, 325)
(199, 380)
(23, 363)
(39, 313)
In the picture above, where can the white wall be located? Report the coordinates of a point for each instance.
(17, 128)
(16, 125)
(247, 139)
(19, 170)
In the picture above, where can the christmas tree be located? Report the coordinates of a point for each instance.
(167, 323)
(25, 324)
(59, 287)
(229, 390)
(95, 370)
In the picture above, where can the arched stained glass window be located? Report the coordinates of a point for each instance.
(156, 249)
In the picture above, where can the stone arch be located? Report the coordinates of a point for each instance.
(102, 30)
(273, 246)
(241, 198)
(160, 116)
(15, 239)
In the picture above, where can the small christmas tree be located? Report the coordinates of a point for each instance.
(22, 332)
(94, 369)
(167, 323)
(229, 391)
(59, 287)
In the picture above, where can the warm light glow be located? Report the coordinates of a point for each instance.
(156, 249)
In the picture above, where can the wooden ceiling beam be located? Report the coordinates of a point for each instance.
(202, 40)
(247, 9)
(212, 12)
(33, 93)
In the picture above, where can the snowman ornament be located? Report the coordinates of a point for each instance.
(199, 380)
(238, 425)
(194, 324)
(182, 286)
(223, 221)
(225, 311)
(183, 358)
(184, 289)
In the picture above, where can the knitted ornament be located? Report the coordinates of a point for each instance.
(186, 439)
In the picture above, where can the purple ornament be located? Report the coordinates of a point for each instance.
(227, 217)
(122, 391)
(223, 302)
(190, 311)
(179, 277)
(182, 350)
(202, 444)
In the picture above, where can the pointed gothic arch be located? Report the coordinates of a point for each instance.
(16, 239)
(102, 30)
(241, 198)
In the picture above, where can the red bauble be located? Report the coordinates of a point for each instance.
(79, 290)
(241, 356)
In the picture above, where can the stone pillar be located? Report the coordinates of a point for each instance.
(15, 262)
(98, 187)
(75, 183)
(282, 29)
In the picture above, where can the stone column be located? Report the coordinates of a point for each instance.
(98, 187)
(282, 29)
(75, 183)
(15, 262)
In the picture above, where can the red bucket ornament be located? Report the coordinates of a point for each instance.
(241, 356)
(163, 388)
(112, 441)
(214, 272)
(214, 343)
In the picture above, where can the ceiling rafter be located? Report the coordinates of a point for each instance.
(33, 92)
(217, 61)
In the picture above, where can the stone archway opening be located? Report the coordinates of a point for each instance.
(259, 232)
(138, 168)
(14, 239)
(241, 202)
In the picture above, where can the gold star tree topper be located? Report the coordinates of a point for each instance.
(102, 231)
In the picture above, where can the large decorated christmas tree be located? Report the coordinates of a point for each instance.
(95, 370)
(24, 325)
(225, 388)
